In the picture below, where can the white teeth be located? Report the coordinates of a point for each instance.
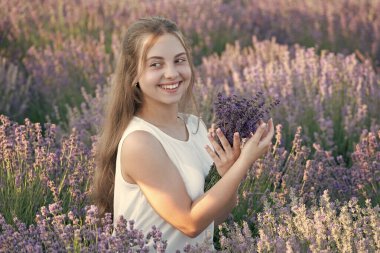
(170, 86)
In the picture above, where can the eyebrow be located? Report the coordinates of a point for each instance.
(159, 57)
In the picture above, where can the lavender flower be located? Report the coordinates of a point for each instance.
(37, 168)
(239, 114)
(54, 233)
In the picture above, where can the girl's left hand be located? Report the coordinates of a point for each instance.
(224, 157)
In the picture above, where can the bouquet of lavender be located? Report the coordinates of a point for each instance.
(238, 114)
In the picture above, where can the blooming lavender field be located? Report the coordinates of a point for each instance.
(317, 190)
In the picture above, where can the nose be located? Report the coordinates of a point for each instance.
(171, 71)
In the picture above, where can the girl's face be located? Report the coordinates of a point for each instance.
(166, 74)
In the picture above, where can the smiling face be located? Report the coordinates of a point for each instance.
(166, 72)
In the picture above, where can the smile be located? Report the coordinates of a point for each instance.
(171, 86)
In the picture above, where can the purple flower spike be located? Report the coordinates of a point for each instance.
(238, 114)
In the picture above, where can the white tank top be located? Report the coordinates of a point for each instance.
(193, 164)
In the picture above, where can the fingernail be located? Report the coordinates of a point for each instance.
(236, 134)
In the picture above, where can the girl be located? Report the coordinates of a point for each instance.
(153, 157)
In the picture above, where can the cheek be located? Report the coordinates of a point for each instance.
(186, 72)
(150, 77)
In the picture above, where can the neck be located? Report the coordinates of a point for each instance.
(159, 116)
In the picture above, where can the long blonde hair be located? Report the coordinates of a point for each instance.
(125, 100)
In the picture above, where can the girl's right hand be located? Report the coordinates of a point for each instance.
(258, 144)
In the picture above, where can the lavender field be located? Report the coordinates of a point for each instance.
(317, 190)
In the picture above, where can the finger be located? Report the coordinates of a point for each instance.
(211, 129)
(236, 143)
(212, 154)
(225, 144)
(243, 141)
(218, 149)
(270, 134)
(265, 133)
(259, 132)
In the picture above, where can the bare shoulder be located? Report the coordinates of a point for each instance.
(140, 150)
(138, 141)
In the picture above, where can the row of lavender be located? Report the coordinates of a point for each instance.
(283, 203)
(60, 46)
(289, 227)
(343, 25)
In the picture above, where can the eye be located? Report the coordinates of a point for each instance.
(181, 60)
(155, 65)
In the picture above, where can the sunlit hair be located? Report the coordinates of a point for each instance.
(126, 97)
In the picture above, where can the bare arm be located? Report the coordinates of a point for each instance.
(145, 162)
(227, 210)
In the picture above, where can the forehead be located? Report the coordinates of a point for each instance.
(166, 46)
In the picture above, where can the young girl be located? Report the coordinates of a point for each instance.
(152, 157)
